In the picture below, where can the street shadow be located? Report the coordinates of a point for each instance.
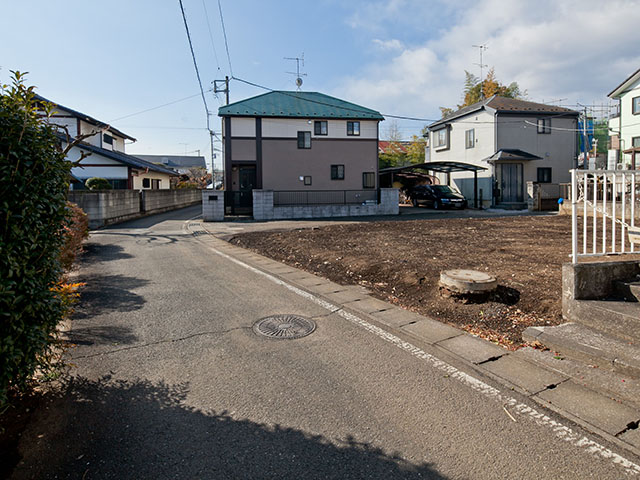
(139, 429)
(101, 335)
(108, 293)
(99, 252)
(181, 214)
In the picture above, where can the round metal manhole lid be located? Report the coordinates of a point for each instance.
(284, 327)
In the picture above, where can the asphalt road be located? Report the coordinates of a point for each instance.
(170, 381)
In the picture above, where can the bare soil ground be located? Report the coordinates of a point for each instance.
(401, 261)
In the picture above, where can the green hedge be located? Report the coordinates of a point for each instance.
(34, 181)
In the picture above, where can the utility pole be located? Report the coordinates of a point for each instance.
(481, 65)
(225, 90)
(584, 138)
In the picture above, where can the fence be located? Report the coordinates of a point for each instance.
(605, 202)
(324, 197)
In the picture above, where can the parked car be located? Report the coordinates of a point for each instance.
(436, 196)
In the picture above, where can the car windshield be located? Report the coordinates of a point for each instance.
(443, 189)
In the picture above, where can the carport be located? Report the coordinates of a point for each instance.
(441, 167)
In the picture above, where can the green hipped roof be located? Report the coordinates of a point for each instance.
(297, 104)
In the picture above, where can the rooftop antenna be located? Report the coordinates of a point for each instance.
(481, 65)
(554, 101)
(299, 60)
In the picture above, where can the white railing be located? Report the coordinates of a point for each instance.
(607, 203)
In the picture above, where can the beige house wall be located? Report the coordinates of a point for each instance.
(283, 163)
(165, 180)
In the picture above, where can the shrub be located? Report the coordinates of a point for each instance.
(76, 230)
(34, 176)
(97, 183)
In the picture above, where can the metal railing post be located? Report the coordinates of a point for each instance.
(574, 217)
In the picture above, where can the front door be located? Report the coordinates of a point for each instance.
(246, 183)
(511, 183)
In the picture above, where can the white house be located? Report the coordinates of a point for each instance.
(624, 129)
(517, 141)
(107, 158)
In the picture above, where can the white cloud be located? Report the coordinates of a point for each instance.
(575, 49)
(393, 44)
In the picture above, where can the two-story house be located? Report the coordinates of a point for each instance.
(517, 141)
(306, 147)
(104, 153)
(624, 128)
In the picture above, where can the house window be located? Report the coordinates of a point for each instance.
(353, 128)
(304, 139)
(307, 180)
(635, 105)
(108, 139)
(146, 183)
(368, 180)
(544, 175)
(337, 172)
(544, 125)
(470, 138)
(320, 127)
(635, 142)
(441, 138)
(155, 184)
(118, 184)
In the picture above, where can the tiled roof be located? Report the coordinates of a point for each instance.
(86, 118)
(129, 160)
(176, 161)
(296, 105)
(504, 105)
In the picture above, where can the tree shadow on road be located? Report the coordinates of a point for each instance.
(137, 429)
(101, 335)
(108, 293)
(100, 252)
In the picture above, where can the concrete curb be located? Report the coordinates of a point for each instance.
(610, 419)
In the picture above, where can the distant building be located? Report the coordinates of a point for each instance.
(107, 158)
(179, 163)
(624, 128)
(517, 141)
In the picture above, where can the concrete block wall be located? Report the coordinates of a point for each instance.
(156, 201)
(213, 205)
(106, 207)
(263, 208)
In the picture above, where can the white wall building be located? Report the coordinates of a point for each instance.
(517, 141)
(106, 153)
(624, 129)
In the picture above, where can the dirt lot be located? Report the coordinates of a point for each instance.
(400, 262)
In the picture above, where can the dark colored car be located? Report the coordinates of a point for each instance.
(436, 196)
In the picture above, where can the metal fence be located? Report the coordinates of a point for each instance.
(324, 197)
(604, 212)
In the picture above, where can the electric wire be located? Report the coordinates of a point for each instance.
(157, 107)
(213, 45)
(195, 64)
(226, 43)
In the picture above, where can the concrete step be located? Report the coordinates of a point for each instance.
(628, 290)
(589, 346)
(616, 318)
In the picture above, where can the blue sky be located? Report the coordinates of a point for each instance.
(402, 57)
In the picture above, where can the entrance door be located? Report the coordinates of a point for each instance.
(246, 183)
(511, 183)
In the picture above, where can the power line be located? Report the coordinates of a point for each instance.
(195, 64)
(226, 44)
(400, 117)
(157, 107)
(213, 45)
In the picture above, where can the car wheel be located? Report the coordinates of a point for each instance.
(414, 202)
(436, 204)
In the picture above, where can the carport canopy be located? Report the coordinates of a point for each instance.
(443, 167)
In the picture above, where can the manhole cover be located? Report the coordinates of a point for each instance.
(284, 326)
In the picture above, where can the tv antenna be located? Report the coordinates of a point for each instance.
(299, 60)
(482, 48)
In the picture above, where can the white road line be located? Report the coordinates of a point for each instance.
(561, 431)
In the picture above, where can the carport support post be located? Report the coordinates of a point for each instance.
(449, 178)
(475, 188)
